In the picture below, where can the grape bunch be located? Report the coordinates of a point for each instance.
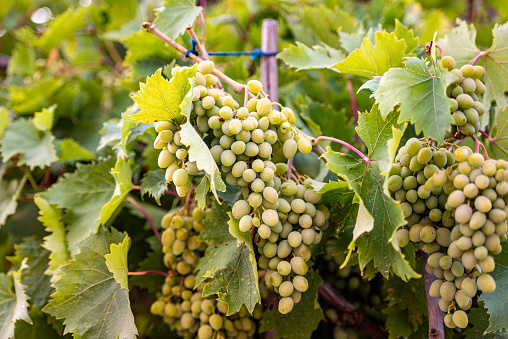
(182, 307)
(467, 108)
(288, 222)
(455, 207)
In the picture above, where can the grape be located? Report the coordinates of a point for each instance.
(245, 223)
(298, 266)
(290, 147)
(424, 155)
(434, 290)
(486, 283)
(284, 267)
(205, 332)
(448, 321)
(428, 234)
(464, 101)
(294, 239)
(285, 305)
(394, 183)
(286, 289)
(413, 146)
(240, 209)
(463, 213)
(460, 319)
(300, 283)
(255, 86)
(402, 237)
(270, 217)
(448, 63)
(447, 290)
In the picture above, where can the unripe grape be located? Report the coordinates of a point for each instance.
(285, 305)
(286, 289)
(460, 317)
(447, 290)
(180, 177)
(486, 283)
(434, 290)
(304, 145)
(448, 321)
(255, 86)
(300, 283)
(448, 63)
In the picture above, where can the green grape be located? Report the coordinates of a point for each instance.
(164, 125)
(294, 239)
(445, 262)
(468, 85)
(478, 72)
(205, 332)
(205, 67)
(255, 86)
(409, 183)
(285, 305)
(468, 259)
(447, 290)
(413, 146)
(440, 158)
(284, 249)
(270, 217)
(270, 194)
(414, 233)
(263, 106)
(180, 177)
(304, 145)
(394, 183)
(284, 268)
(270, 250)
(463, 213)
(464, 101)
(298, 265)
(286, 289)
(434, 290)
(443, 237)
(245, 223)
(298, 206)
(300, 283)
(486, 283)
(467, 71)
(290, 147)
(424, 155)
(215, 321)
(488, 264)
(460, 317)
(240, 209)
(428, 234)
(448, 321)
(402, 237)
(434, 258)
(448, 63)
(157, 307)
(456, 91)
(457, 269)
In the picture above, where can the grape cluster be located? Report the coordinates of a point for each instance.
(183, 308)
(456, 211)
(467, 108)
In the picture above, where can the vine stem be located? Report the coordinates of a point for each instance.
(150, 27)
(354, 105)
(147, 217)
(199, 47)
(343, 143)
(481, 54)
(290, 167)
(436, 328)
(31, 179)
(149, 272)
(477, 145)
(493, 140)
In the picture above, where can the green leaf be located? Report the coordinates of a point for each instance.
(160, 99)
(83, 193)
(370, 61)
(300, 56)
(122, 173)
(70, 150)
(403, 32)
(34, 259)
(176, 16)
(336, 193)
(421, 96)
(479, 318)
(13, 304)
(230, 264)
(43, 120)
(496, 302)
(34, 96)
(5, 120)
(372, 85)
(154, 184)
(111, 135)
(22, 61)
(22, 138)
(378, 214)
(9, 193)
(500, 130)
(199, 152)
(51, 218)
(62, 27)
(116, 261)
(303, 319)
(92, 302)
(39, 328)
(460, 44)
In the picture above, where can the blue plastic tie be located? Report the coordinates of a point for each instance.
(256, 53)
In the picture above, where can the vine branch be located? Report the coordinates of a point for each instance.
(436, 329)
(350, 316)
(149, 272)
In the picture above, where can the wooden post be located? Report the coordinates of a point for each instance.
(436, 328)
(269, 72)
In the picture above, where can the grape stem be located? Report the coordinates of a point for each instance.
(315, 141)
(493, 140)
(149, 272)
(436, 328)
(481, 54)
(477, 145)
(147, 217)
(290, 167)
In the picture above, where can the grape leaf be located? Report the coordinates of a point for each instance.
(370, 61)
(36, 260)
(62, 27)
(111, 135)
(479, 318)
(154, 184)
(230, 264)
(116, 261)
(215, 229)
(122, 174)
(176, 16)
(13, 304)
(500, 130)
(378, 214)
(22, 138)
(421, 96)
(5, 120)
(70, 150)
(302, 57)
(92, 302)
(303, 319)
(496, 302)
(51, 218)
(460, 44)
(353, 40)
(83, 193)
(34, 96)
(9, 193)
(39, 327)
(160, 99)
(335, 192)
(22, 61)
(372, 85)
(407, 35)
(43, 120)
